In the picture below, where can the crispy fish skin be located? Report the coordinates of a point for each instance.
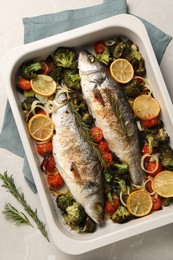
(112, 113)
(77, 165)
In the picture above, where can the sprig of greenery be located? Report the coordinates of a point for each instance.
(84, 132)
(13, 214)
(8, 183)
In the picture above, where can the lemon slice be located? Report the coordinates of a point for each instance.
(146, 107)
(43, 85)
(121, 71)
(139, 203)
(41, 127)
(163, 184)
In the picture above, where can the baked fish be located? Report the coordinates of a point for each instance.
(78, 166)
(112, 113)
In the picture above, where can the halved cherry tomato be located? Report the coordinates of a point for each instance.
(44, 149)
(149, 186)
(48, 164)
(55, 181)
(145, 149)
(109, 208)
(151, 166)
(157, 203)
(150, 123)
(24, 84)
(103, 146)
(40, 111)
(99, 47)
(46, 67)
(108, 158)
(96, 133)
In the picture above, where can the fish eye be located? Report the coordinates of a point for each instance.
(91, 58)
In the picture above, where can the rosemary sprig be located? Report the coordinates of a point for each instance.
(13, 214)
(8, 183)
(84, 132)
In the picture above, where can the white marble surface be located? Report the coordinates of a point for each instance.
(26, 243)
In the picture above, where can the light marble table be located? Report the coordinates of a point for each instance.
(26, 243)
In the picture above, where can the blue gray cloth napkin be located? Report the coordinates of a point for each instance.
(39, 27)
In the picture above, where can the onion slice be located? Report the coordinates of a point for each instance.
(153, 157)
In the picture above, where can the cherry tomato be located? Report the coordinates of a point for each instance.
(145, 149)
(99, 47)
(40, 111)
(96, 133)
(157, 203)
(44, 149)
(55, 181)
(149, 186)
(151, 166)
(49, 164)
(109, 208)
(46, 67)
(24, 84)
(150, 123)
(103, 146)
(108, 158)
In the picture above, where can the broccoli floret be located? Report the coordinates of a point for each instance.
(121, 215)
(57, 74)
(137, 61)
(152, 141)
(76, 213)
(166, 156)
(104, 57)
(64, 200)
(120, 168)
(118, 49)
(134, 89)
(27, 103)
(108, 175)
(65, 57)
(167, 201)
(162, 136)
(72, 79)
(29, 71)
(86, 226)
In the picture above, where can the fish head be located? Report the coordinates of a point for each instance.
(87, 63)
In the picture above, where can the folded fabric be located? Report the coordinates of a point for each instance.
(36, 28)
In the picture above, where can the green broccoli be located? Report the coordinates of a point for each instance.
(76, 213)
(104, 57)
(120, 168)
(137, 61)
(152, 141)
(162, 136)
(27, 103)
(29, 71)
(118, 49)
(86, 226)
(108, 175)
(166, 156)
(87, 118)
(134, 89)
(56, 74)
(64, 200)
(65, 57)
(72, 79)
(121, 215)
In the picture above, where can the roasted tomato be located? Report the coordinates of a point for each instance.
(45, 148)
(103, 146)
(99, 47)
(24, 84)
(48, 164)
(96, 134)
(55, 181)
(111, 208)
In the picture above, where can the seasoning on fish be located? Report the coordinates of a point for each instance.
(112, 113)
(79, 167)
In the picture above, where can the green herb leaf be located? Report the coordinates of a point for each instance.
(13, 214)
(8, 183)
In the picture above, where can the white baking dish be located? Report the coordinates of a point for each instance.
(120, 25)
